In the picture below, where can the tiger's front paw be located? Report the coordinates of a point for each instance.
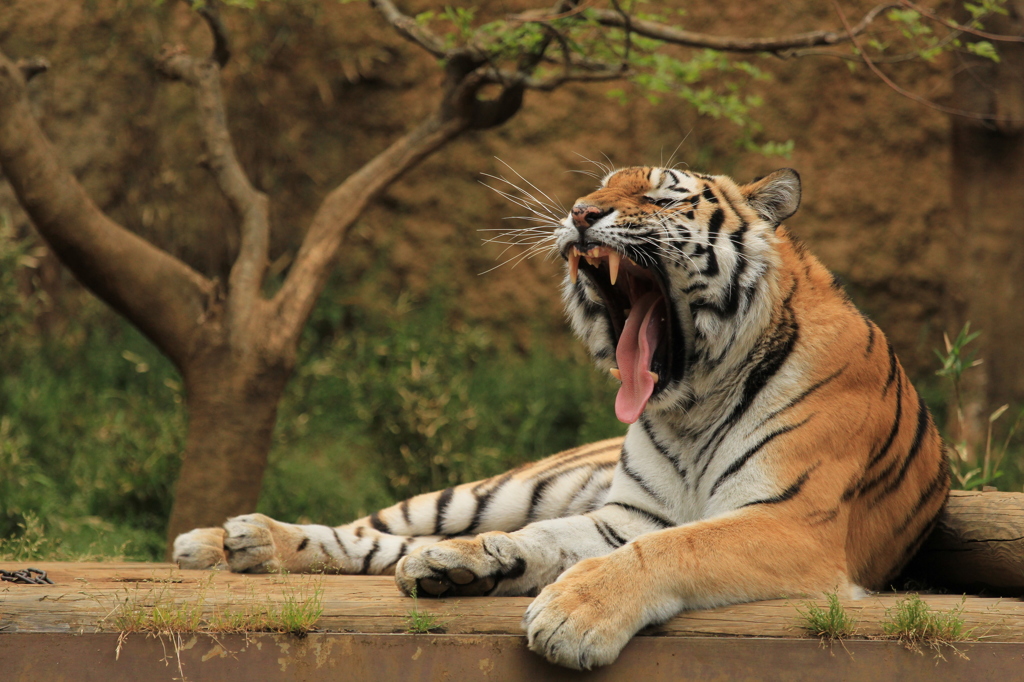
(461, 568)
(258, 544)
(251, 543)
(201, 548)
(584, 619)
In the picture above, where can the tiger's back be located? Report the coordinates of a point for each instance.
(888, 474)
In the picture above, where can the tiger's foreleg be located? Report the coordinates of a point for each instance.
(586, 617)
(522, 562)
(570, 482)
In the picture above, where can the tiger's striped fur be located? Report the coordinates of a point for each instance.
(777, 447)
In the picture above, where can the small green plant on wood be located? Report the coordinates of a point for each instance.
(161, 614)
(420, 623)
(912, 622)
(830, 624)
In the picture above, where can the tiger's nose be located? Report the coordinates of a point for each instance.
(584, 215)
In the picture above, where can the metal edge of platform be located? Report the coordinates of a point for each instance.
(340, 657)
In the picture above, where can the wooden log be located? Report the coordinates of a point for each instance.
(977, 546)
(87, 598)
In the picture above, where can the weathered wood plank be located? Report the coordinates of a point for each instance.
(87, 595)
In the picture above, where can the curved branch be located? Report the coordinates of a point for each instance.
(460, 110)
(554, 82)
(409, 29)
(252, 207)
(677, 36)
(316, 257)
(156, 292)
(207, 9)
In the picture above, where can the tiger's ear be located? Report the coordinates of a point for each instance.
(775, 197)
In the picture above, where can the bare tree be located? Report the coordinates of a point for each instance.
(234, 345)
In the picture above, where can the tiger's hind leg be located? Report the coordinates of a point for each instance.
(569, 483)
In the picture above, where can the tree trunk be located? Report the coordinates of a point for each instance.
(232, 409)
(234, 380)
(987, 262)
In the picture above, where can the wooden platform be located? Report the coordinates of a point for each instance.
(49, 631)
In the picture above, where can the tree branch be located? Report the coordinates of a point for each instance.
(313, 264)
(207, 9)
(928, 14)
(677, 36)
(245, 283)
(409, 29)
(553, 82)
(32, 66)
(156, 292)
(460, 110)
(906, 93)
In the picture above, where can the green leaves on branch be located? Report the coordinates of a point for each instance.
(984, 48)
(928, 37)
(713, 83)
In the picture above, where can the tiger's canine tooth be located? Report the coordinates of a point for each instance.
(574, 264)
(614, 258)
(654, 375)
(614, 371)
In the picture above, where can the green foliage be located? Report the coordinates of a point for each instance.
(928, 38)
(422, 623)
(829, 624)
(30, 544)
(156, 611)
(955, 361)
(714, 83)
(983, 8)
(386, 402)
(89, 443)
(17, 309)
(916, 625)
(983, 48)
(971, 471)
(433, 401)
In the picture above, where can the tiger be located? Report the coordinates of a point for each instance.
(775, 447)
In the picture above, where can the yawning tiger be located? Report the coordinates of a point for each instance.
(775, 446)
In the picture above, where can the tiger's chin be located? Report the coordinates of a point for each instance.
(639, 310)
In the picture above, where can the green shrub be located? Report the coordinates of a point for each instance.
(424, 402)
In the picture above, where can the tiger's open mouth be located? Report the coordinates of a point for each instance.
(637, 304)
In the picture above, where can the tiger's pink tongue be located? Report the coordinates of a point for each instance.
(636, 346)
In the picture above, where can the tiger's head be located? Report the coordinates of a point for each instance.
(659, 263)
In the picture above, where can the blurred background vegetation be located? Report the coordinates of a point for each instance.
(384, 404)
(415, 371)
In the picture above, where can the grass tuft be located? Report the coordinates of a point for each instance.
(420, 623)
(914, 623)
(159, 613)
(829, 624)
(156, 612)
